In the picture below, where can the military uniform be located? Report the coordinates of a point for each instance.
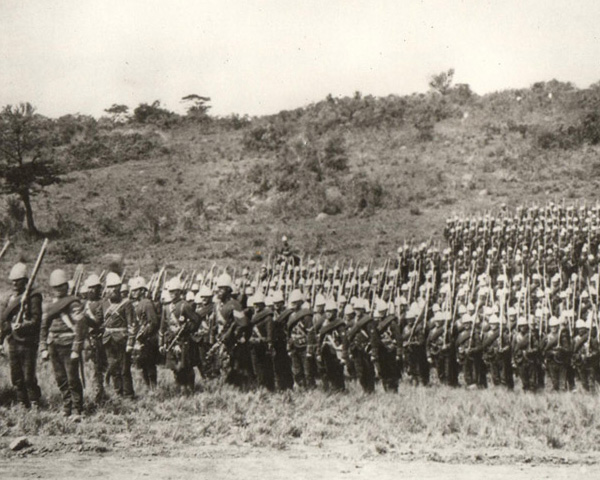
(261, 348)
(332, 354)
(301, 345)
(556, 348)
(178, 323)
(118, 337)
(145, 349)
(389, 346)
(282, 364)
(95, 327)
(414, 337)
(204, 338)
(63, 333)
(360, 342)
(526, 357)
(23, 342)
(586, 353)
(497, 356)
(234, 354)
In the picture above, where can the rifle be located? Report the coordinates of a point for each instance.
(77, 277)
(4, 248)
(29, 286)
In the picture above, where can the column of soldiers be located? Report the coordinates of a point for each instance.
(513, 296)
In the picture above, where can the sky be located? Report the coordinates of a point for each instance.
(259, 57)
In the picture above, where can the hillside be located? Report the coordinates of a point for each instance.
(345, 177)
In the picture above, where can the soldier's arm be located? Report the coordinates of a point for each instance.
(77, 313)
(153, 319)
(194, 319)
(32, 324)
(132, 325)
(164, 325)
(270, 332)
(311, 338)
(45, 328)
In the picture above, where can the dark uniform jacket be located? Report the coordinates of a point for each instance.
(63, 323)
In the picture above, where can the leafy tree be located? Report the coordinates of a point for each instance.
(197, 106)
(118, 113)
(442, 82)
(26, 162)
(153, 114)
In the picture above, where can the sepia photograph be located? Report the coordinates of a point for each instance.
(298, 239)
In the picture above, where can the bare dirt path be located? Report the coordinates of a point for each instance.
(298, 462)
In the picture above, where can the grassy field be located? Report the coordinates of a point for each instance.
(435, 423)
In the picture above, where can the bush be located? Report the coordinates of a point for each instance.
(334, 156)
(365, 194)
(73, 252)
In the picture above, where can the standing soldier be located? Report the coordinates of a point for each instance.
(95, 328)
(234, 355)
(178, 323)
(282, 364)
(301, 342)
(120, 330)
(206, 335)
(62, 336)
(496, 353)
(526, 355)
(332, 349)
(586, 353)
(389, 339)
(23, 333)
(360, 341)
(145, 349)
(261, 342)
(556, 348)
(414, 338)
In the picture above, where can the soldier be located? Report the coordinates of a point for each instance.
(414, 339)
(469, 357)
(586, 353)
(360, 338)
(62, 337)
(145, 348)
(177, 325)
(282, 364)
(301, 342)
(496, 352)
(556, 348)
(205, 336)
(332, 349)
(261, 342)
(234, 330)
(389, 339)
(23, 336)
(526, 355)
(120, 330)
(95, 328)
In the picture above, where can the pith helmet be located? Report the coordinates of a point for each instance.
(18, 272)
(58, 277)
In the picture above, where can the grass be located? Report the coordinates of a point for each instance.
(416, 419)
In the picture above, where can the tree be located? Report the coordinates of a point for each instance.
(197, 106)
(26, 163)
(118, 113)
(442, 82)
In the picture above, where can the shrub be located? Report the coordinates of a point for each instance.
(334, 155)
(73, 252)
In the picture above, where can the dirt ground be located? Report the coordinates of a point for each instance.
(297, 462)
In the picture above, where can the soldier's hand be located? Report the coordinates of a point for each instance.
(74, 355)
(128, 349)
(44, 355)
(162, 349)
(177, 349)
